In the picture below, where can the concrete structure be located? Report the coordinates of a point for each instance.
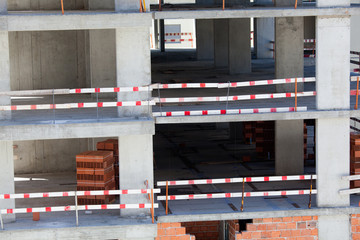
(98, 44)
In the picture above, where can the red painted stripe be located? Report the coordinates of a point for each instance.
(135, 89)
(77, 90)
(123, 192)
(252, 83)
(209, 195)
(266, 194)
(270, 81)
(272, 96)
(266, 179)
(48, 209)
(103, 207)
(248, 194)
(172, 182)
(256, 110)
(191, 196)
(87, 193)
(7, 196)
(117, 89)
(222, 111)
(301, 192)
(26, 195)
(248, 179)
(227, 180)
(45, 194)
(288, 94)
(143, 191)
(205, 112)
(302, 177)
(291, 109)
(283, 193)
(209, 181)
(106, 192)
(191, 181)
(172, 197)
(235, 98)
(168, 114)
(33, 107)
(187, 113)
(28, 210)
(227, 195)
(273, 110)
(141, 205)
(252, 96)
(288, 80)
(65, 194)
(284, 178)
(9, 210)
(122, 206)
(97, 90)
(239, 111)
(80, 105)
(100, 104)
(138, 103)
(184, 85)
(67, 208)
(165, 86)
(233, 84)
(119, 104)
(13, 108)
(202, 85)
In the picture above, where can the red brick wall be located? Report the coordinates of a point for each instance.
(355, 226)
(172, 231)
(233, 229)
(208, 230)
(286, 228)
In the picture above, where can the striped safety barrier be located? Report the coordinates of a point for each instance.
(234, 98)
(354, 52)
(79, 207)
(76, 105)
(178, 40)
(228, 111)
(237, 194)
(110, 90)
(309, 41)
(178, 34)
(77, 193)
(236, 180)
(309, 55)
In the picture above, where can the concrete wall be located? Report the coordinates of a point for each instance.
(45, 156)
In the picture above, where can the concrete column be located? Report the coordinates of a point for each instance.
(162, 34)
(289, 147)
(265, 33)
(204, 39)
(332, 143)
(7, 177)
(289, 62)
(135, 167)
(133, 68)
(239, 46)
(221, 43)
(129, 6)
(355, 34)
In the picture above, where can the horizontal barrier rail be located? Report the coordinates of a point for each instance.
(236, 195)
(350, 191)
(234, 98)
(77, 193)
(178, 40)
(228, 111)
(355, 52)
(236, 180)
(79, 207)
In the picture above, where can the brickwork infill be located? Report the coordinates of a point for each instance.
(286, 228)
(172, 231)
(207, 230)
(355, 226)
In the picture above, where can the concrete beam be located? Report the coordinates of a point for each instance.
(76, 130)
(259, 13)
(136, 232)
(35, 21)
(7, 184)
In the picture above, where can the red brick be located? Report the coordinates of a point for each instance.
(204, 228)
(355, 221)
(281, 226)
(184, 237)
(275, 234)
(165, 238)
(175, 225)
(261, 227)
(295, 233)
(192, 237)
(165, 225)
(301, 225)
(180, 231)
(357, 228)
(250, 227)
(297, 218)
(267, 220)
(277, 219)
(353, 228)
(258, 220)
(291, 225)
(311, 224)
(195, 229)
(306, 232)
(306, 218)
(213, 228)
(271, 226)
(315, 218)
(286, 233)
(356, 236)
(157, 238)
(246, 235)
(161, 232)
(238, 237)
(287, 219)
(171, 231)
(265, 234)
(314, 232)
(256, 235)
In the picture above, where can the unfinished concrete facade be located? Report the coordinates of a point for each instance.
(106, 44)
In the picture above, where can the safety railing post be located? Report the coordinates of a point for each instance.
(295, 94)
(76, 209)
(1, 221)
(167, 200)
(152, 205)
(242, 195)
(62, 7)
(223, 5)
(310, 191)
(357, 93)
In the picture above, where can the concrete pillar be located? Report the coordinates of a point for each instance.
(221, 43)
(265, 33)
(7, 177)
(355, 34)
(204, 39)
(332, 143)
(135, 167)
(289, 147)
(162, 34)
(239, 46)
(133, 68)
(289, 62)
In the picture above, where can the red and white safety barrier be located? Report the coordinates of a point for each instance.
(110, 90)
(232, 84)
(237, 180)
(228, 111)
(178, 40)
(78, 193)
(238, 194)
(309, 49)
(309, 55)
(354, 79)
(309, 41)
(178, 34)
(354, 52)
(79, 207)
(234, 98)
(76, 105)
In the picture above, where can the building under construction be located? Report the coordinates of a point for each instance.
(179, 119)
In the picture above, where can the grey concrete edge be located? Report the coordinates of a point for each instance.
(264, 214)
(258, 13)
(143, 231)
(76, 130)
(258, 117)
(72, 21)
